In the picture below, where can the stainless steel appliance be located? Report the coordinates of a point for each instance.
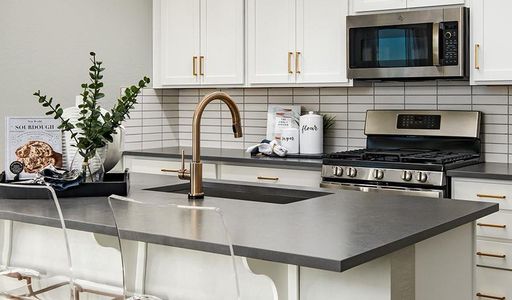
(407, 152)
(413, 44)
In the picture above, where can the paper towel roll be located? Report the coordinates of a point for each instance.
(311, 133)
(290, 140)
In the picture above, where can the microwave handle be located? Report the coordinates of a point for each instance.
(435, 44)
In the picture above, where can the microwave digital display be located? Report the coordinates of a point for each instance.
(429, 122)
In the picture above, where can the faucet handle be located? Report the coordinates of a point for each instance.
(183, 173)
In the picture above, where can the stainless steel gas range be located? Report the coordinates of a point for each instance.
(407, 152)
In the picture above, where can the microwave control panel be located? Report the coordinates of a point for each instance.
(449, 43)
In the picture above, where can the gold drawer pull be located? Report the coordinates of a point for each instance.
(170, 170)
(194, 65)
(491, 254)
(290, 54)
(489, 296)
(491, 225)
(297, 62)
(268, 178)
(501, 197)
(201, 65)
(477, 54)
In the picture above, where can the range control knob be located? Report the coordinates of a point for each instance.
(378, 174)
(337, 171)
(352, 172)
(448, 35)
(421, 176)
(406, 175)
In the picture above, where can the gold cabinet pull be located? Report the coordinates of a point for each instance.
(489, 296)
(201, 65)
(477, 54)
(491, 225)
(194, 65)
(170, 170)
(500, 197)
(268, 178)
(491, 254)
(297, 62)
(290, 54)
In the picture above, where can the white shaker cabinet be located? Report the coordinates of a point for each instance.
(321, 43)
(490, 52)
(423, 3)
(271, 41)
(357, 6)
(198, 42)
(362, 6)
(297, 42)
(176, 40)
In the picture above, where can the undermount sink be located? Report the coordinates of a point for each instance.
(244, 192)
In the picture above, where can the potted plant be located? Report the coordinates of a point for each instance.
(94, 129)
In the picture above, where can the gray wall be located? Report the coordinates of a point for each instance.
(45, 45)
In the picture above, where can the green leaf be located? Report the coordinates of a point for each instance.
(49, 113)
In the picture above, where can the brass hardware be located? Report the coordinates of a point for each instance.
(490, 297)
(297, 62)
(170, 170)
(491, 254)
(268, 178)
(491, 225)
(194, 65)
(290, 54)
(201, 65)
(491, 196)
(477, 54)
(183, 173)
(195, 174)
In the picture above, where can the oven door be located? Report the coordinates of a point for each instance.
(381, 189)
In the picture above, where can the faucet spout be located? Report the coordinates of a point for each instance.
(196, 173)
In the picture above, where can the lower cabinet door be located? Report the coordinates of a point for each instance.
(270, 175)
(494, 254)
(493, 284)
(497, 225)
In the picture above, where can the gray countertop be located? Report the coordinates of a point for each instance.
(230, 156)
(499, 171)
(334, 232)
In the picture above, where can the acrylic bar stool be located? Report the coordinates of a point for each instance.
(34, 247)
(179, 228)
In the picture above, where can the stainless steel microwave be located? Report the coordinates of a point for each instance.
(412, 44)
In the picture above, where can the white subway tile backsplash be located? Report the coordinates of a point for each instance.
(163, 117)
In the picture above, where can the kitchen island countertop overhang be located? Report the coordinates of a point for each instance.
(335, 232)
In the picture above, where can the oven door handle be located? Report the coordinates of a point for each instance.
(435, 44)
(396, 191)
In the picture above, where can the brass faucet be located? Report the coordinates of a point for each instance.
(195, 174)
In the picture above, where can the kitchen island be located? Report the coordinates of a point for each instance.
(342, 245)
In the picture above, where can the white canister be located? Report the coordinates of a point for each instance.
(311, 133)
(290, 140)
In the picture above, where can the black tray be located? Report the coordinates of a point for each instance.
(113, 183)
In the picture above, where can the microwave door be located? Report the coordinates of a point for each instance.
(400, 46)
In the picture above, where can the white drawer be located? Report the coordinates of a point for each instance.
(494, 254)
(271, 175)
(496, 225)
(493, 283)
(155, 166)
(497, 191)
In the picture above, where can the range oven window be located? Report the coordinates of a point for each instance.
(391, 46)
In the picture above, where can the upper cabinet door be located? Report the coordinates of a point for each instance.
(176, 41)
(271, 41)
(423, 3)
(222, 42)
(321, 42)
(490, 52)
(373, 5)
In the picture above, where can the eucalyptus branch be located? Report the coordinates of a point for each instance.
(95, 128)
(57, 112)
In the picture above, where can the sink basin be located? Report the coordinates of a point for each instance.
(244, 192)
